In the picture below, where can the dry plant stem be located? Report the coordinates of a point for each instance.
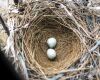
(38, 66)
(56, 77)
(34, 19)
(74, 70)
(21, 23)
(24, 70)
(4, 25)
(97, 77)
(28, 14)
(99, 60)
(10, 40)
(65, 24)
(93, 60)
(84, 64)
(41, 71)
(94, 21)
(80, 36)
(68, 25)
(93, 48)
(69, 77)
(11, 24)
(28, 5)
(72, 17)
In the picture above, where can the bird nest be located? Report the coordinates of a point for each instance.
(75, 28)
(69, 47)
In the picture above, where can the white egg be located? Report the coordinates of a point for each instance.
(51, 53)
(51, 42)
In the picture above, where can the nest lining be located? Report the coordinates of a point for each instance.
(68, 46)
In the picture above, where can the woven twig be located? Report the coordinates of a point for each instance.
(76, 47)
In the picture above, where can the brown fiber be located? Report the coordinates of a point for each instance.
(69, 46)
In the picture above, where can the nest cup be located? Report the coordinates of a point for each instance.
(68, 48)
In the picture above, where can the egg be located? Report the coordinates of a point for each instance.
(51, 53)
(51, 42)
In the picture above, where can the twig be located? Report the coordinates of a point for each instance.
(72, 17)
(97, 44)
(4, 25)
(74, 70)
